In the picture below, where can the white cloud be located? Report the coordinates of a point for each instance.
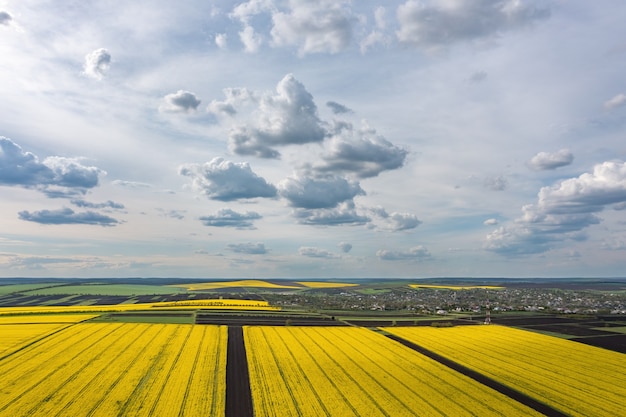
(230, 218)
(251, 40)
(235, 97)
(67, 216)
(344, 214)
(316, 193)
(313, 252)
(313, 26)
(180, 102)
(287, 117)
(617, 101)
(227, 181)
(434, 24)
(395, 221)
(221, 40)
(249, 248)
(491, 222)
(562, 211)
(547, 160)
(361, 152)
(56, 174)
(97, 64)
(417, 253)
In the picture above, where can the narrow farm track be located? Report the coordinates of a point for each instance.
(238, 395)
(477, 376)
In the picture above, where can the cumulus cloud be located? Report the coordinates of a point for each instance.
(313, 252)
(547, 161)
(344, 214)
(5, 18)
(396, 221)
(230, 218)
(227, 181)
(345, 247)
(617, 101)
(248, 248)
(97, 64)
(21, 168)
(490, 222)
(55, 175)
(318, 192)
(313, 26)
(285, 118)
(69, 172)
(324, 26)
(435, 24)
(180, 102)
(562, 211)
(235, 97)
(67, 216)
(416, 253)
(361, 152)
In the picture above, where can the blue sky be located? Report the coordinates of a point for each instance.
(301, 138)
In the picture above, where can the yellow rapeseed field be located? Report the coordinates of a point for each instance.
(111, 369)
(323, 284)
(18, 331)
(577, 379)
(210, 303)
(346, 371)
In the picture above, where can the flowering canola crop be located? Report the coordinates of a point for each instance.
(577, 379)
(111, 369)
(339, 371)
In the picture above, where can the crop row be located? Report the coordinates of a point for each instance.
(576, 379)
(300, 371)
(118, 369)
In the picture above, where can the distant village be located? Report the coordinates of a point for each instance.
(445, 301)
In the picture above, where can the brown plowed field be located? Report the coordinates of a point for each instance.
(616, 342)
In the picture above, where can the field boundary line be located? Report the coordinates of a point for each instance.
(235, 383)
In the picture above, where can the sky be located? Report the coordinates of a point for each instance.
(301, 138)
